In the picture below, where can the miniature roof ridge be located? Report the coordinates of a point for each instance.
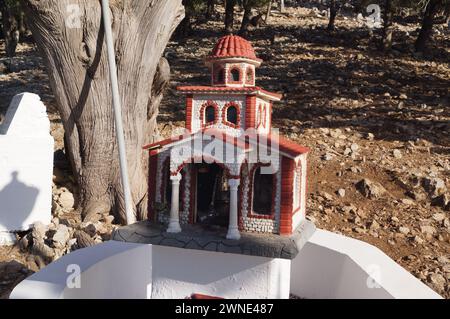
(222, 134)
(224, 89)
(284, 144)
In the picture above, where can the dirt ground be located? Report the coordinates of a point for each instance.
(383, 117)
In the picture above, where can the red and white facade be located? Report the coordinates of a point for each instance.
(192, 178)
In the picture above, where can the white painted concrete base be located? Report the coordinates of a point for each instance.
(178, 273)
(329, 266)
(108, 270)
(336, 266)
(26, 165)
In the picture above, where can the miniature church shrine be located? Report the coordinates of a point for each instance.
(189, 184)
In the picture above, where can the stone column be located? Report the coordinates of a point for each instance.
(174, 222)
(233, 228)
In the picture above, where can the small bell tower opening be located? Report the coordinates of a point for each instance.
(235, 75)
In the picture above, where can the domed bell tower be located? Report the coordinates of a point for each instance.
(232, 63)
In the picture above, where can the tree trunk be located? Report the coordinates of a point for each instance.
(447, 14)
(246, 19)
(10, 28)
(269, 8)
(229, 15)
(75, 58)
(427, 24)
(388, 29)
(210, 8)
(333, 14)
(186, 24)
(282, 6)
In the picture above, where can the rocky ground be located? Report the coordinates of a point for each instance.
(377, 124)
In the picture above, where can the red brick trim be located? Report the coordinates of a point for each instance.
(152, 169)
(199, 159)
(256, 90)
(202, 114)
(252, 214)
(286, 209)
(224, 115)
(250, 111)
(189, 99)
(230, 77)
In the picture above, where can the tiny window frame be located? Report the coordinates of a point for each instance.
(252, 174)
(225, 115)
(230, 75)
(203, 114)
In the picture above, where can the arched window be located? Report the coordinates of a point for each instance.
(249, 76)
(232, 114)
(210, 114)
(262, 192)
(235, 75)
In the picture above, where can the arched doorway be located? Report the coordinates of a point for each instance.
(213, 196)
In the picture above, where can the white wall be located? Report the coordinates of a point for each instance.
(329, 266)
(123, 270)
(26, 165)
(221, 100)
(335, 266)
(178, 273)
(108, 270)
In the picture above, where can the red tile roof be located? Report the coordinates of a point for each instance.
(284, 145)
(233, 46)
(288, 146)
(220, 134)
(227, 89)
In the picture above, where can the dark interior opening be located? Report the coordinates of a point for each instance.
(213, 196)
(262, 193)
(232, 115)
(210, 114)
(168, 186)
(235, 75)
(220, 76)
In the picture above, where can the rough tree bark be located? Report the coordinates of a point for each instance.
(75, 58)
(229, 15)
(210, 8)
(10, 30)
(246, 19)
(186, 24)
(333, 13)
(427, 24)
(388, 29)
